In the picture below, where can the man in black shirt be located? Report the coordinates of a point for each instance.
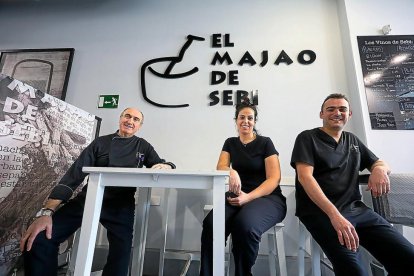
(122, 149)
(327, 161)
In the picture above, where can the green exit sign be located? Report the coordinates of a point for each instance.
(108, 101)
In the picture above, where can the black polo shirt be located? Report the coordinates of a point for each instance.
(336, 168)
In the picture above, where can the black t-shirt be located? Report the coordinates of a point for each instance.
(249, 160)
(336, 167)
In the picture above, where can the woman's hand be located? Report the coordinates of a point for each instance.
(234, 182)
(240, 200)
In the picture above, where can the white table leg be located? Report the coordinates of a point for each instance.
(164, 227)
(301, 249)
(141, 226)
(316, 258)
(89, 226)
(218, 225)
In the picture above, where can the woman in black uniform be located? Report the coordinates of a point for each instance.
(254, 202)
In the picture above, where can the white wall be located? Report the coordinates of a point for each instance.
(112, 39)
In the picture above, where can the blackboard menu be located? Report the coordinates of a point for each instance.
(388, 70)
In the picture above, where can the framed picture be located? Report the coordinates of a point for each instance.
(44, 69)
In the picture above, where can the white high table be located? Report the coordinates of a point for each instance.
(145, 179)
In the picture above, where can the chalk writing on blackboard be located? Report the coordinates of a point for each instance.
(388, 70)
(382, 120)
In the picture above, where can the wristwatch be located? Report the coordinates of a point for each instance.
(45, 212)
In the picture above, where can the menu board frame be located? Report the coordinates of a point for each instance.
(388, 72)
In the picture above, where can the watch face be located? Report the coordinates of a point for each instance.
(47, 212)
(44, 212)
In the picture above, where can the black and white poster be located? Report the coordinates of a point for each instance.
(40, 137)
(388, 70)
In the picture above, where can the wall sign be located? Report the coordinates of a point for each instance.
(388, 69)
(227, 96)
(108, 101)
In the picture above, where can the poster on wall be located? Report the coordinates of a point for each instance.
(388, 70)
(40, 137)
(44, 69)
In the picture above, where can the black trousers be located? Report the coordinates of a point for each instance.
(42, 259)
(375, 234)
(246, 225)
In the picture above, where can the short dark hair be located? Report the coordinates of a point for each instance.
(335, 96)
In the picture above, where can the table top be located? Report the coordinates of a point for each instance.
(161, 178)
(154, 171)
